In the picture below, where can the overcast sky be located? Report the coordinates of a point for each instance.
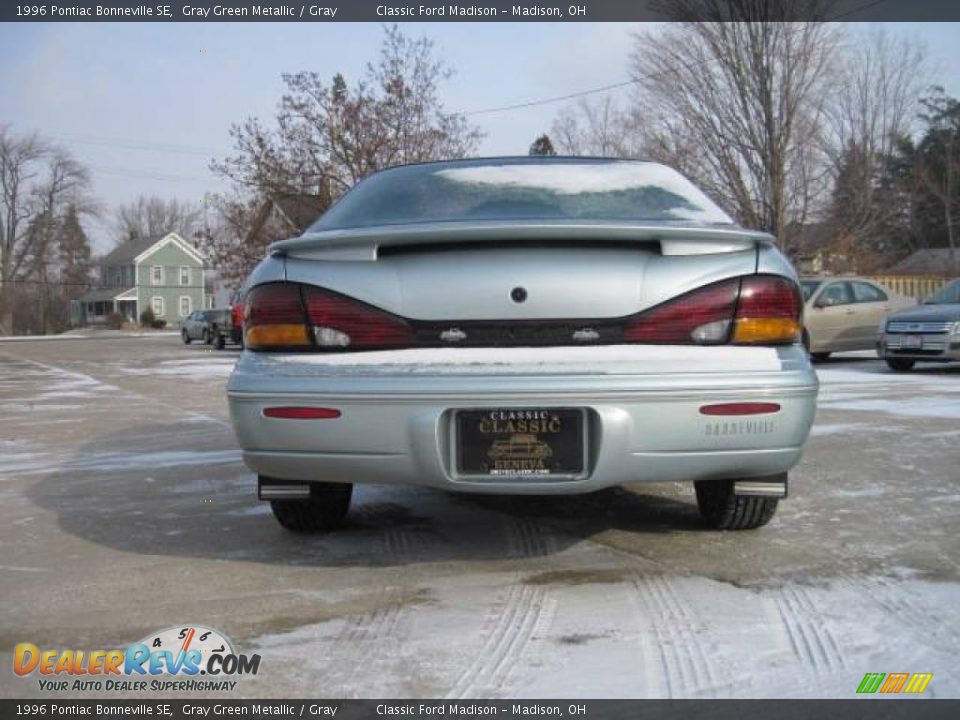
(147, 105)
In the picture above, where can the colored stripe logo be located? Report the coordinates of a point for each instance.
(892, 683)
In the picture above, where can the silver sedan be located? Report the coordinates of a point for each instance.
(523, 325)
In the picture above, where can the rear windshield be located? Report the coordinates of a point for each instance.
(523, 189)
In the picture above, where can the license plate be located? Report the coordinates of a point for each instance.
(520, 441)
(912, 342)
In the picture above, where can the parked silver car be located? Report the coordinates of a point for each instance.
(929, 332)
(523, 325)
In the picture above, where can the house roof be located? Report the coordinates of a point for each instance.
(103, 294)
(929, 261)
(124, 253)
(301, 210)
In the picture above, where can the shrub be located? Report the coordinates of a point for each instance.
(158, 324)
(147, 318)
(115, 320)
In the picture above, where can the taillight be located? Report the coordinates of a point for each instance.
(342, 323)
(768, 312)
(289, 316)
(274, 318)
(753, 310)
(702, 317)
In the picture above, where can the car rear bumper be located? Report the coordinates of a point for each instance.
(934, 347)
(643, 422)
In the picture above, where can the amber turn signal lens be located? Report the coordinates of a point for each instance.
(280, 335)
(752, 331)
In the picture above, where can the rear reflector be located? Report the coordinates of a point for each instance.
(742, 408)
(301, 413)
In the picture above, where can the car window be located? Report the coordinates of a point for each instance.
(837, 293)
(866, 293)
(948, 294)
(522, 189)
(809, 287)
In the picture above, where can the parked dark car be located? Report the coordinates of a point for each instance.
(929, 332)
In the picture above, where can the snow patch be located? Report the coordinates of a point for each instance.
(607, 359)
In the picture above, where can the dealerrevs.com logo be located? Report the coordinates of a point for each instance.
(179, 658)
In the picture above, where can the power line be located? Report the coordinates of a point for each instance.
(558, 98)
(634, 81)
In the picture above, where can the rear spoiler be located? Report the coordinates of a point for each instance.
(364, 243)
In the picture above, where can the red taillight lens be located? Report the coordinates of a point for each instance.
(702, 316)
(340, 322)
(274, 318)
(768, 312)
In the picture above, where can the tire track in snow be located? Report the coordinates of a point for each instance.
(810, 638)
(522, 611)
(361, 634)
(685, 667)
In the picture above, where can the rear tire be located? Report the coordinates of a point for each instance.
(900, 364)
(324, 511)
(221, 341)
(722, 510)
(206, 337)
(185, 336)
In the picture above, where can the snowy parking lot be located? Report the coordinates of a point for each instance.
(126, 508)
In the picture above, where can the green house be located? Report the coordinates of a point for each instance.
(164, 273)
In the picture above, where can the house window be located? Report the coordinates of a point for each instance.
(186, 305)
(184, 276)
(156, 275)
(156, 303)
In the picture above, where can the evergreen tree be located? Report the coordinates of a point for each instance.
(542, 146)
(73, 253)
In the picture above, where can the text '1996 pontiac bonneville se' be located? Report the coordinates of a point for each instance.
(523, 325)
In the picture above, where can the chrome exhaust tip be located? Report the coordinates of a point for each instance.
(761, 488)
(283, 491)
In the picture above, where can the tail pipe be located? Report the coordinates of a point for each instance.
(775, 486)
(268, 489)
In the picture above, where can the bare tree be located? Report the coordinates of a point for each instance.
(333, 135)
(874, 102)
(600, 128)
(740, 84)
(63, 189)
(20, 163)
(153, 216)
(328, 136)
